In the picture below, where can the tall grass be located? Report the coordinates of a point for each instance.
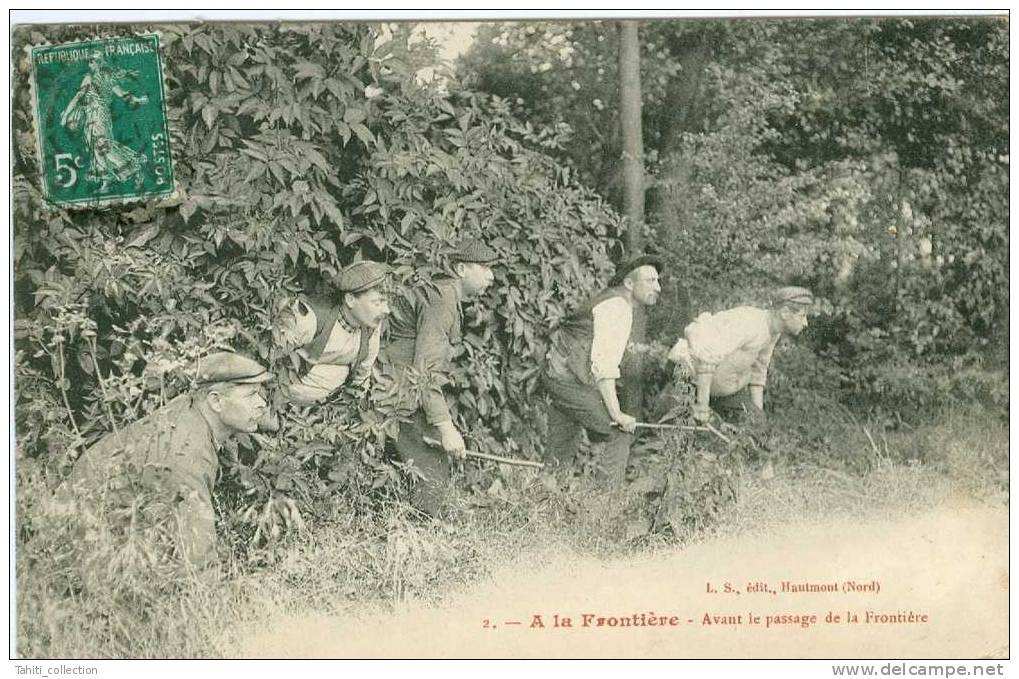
(101, 604)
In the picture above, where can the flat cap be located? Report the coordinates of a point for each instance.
(226, 366)
(361, 276)
(474, 251)
(792, 295)
(629, 265)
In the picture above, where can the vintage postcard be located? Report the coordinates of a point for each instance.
(611, 337)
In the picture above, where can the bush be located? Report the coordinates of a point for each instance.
(298, 149)
(915, 393)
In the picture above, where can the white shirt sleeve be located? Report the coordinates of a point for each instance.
(680, 355)
(612, 321)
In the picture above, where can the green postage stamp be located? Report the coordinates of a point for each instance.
(100, 117)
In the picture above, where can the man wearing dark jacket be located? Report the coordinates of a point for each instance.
(424, 332)
(172, 452)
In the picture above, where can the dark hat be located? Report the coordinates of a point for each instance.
(474, 252)
(792, 296)
(361, 276)
(226, 366)
(629, 265)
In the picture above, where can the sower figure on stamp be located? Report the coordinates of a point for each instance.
(172, 452)
(729, 353)
(423, 334)
(91, 111)
(584, 366)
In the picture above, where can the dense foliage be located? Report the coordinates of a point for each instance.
(299, 148)
(866, 159)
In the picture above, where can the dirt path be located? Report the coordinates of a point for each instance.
(950, 564)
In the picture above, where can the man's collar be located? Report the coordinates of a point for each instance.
(348, 324)
(453, 284)
(216, 442)
(774, 322)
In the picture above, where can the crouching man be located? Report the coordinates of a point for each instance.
(173, 452)
(583, 368)
(729, 353)
(425, 332)
(338, 335)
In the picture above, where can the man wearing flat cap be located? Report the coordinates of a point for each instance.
(583, 367)
(173, 451)
(729, 353)
(338, 338)
(424, 331)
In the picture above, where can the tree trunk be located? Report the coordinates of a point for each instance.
(633, 143)
(632, 393)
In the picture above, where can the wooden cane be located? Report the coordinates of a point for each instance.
(494, 458)
(686, 427)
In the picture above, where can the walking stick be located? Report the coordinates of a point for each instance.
(494, 458)
(707, 426)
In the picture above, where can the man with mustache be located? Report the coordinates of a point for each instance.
(338, 338)
(173, 451)
(729, 353)
(584, 366)
(424, 331)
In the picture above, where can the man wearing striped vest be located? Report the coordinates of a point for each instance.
(584, 366)
(340, 341)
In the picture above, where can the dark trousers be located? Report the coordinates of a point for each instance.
(431, 461)
(575, 408)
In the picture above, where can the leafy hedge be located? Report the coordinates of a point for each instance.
(298, 149)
